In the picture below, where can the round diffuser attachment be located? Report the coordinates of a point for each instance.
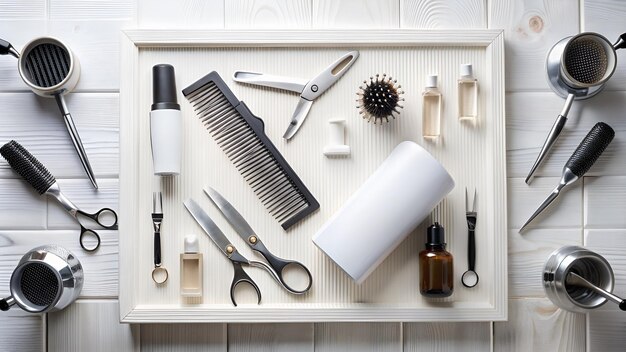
(379, 98)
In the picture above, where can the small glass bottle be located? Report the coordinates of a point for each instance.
(468, 94)
(436, 270)
(431, 111)
(191, 268)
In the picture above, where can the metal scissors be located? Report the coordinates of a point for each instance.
(55, 192)
(308, 90)
(276, 265)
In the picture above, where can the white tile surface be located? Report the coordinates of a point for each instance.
(183, 338)
(267, 14)
(443, 14)
(270, 337)
(358, 337)
(605, 202)
(427, 337)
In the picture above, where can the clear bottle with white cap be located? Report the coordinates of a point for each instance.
(191, 268)
(468, 94)
(431, 109)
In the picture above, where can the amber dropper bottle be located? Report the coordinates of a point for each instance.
(436, 270)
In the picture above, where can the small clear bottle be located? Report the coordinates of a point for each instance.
(431, 109)
(468, 94)
(436, 265)
(191, 268)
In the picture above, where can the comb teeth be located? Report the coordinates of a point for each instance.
(47, 65)
(244, 142)
(27, 166)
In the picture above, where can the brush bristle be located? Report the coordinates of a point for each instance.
(379, 99)
(27, 166)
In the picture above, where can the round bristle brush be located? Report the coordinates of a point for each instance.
(379, 99)
(583, 158)
(27, 166)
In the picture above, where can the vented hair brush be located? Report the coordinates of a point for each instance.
(379, 99)
(36, 174)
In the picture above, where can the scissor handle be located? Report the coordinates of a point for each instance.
(96, 217)
(240, 276)
(278, 265)
(87, 233)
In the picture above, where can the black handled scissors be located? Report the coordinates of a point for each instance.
(276, 266)
(98, 217)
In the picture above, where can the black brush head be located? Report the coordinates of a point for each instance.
(27, 166)
(380, 98)
(590, 149)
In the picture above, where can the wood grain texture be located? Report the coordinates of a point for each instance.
(270, 337)
(607, 18)
(180, 14)
(22, 10)
(21, 207)
(531, 28)
(606, 324)
(37, 124)
(21, 331)
(67, 10)
(443, 14)
(426, 337)
(531, 115)
(67, 332)
(538, 325)
(183, 338)
(267, 14)
(605, 202)
(95, 43)
(565, 212)
(101, 267)
(358, 337)
(528, 253)
(356, 14)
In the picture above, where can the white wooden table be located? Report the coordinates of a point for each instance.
(590, 214)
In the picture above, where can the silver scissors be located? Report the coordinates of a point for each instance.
(308, 90)
(275, 266)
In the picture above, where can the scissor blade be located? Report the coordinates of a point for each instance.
(555, 193)
(298, 117)
(208, 225)
(231, 214)
(279, 82)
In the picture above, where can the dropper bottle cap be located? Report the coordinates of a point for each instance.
(435, 235)
(431, 81)
(466, 70)
(191, 244)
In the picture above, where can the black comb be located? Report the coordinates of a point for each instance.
(590, 149)
(241, 136)
(47, 64)
(27, 166)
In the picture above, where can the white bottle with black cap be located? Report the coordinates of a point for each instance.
(165, 122)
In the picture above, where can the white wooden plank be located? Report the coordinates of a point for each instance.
(531, 28)
(180, 14)
(183, 338)
(443, 14)
(607, 324)
(467, 337)
(607, 18)
(82, 193)
(22, 10)
(267, 14)
(95, 43)
(21, 331)
(91, 325)
(565, 212)
(538, 325)
(270, 337)
(68, 10)
(358, 337)
(368, 14)
(36, 123)
(605, 202)
(101, 272)
(528, 253)
(531, 115)
(21, 207)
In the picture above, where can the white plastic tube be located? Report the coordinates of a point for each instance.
(395, 199)
(166, 139)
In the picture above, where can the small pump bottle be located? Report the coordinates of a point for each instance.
(468, 94)
(431, 111)
(191, 268)
(165, 122)
(436, 270)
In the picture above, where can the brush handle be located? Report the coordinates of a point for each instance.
(27, 166)
(7, 48)
(590, 149)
